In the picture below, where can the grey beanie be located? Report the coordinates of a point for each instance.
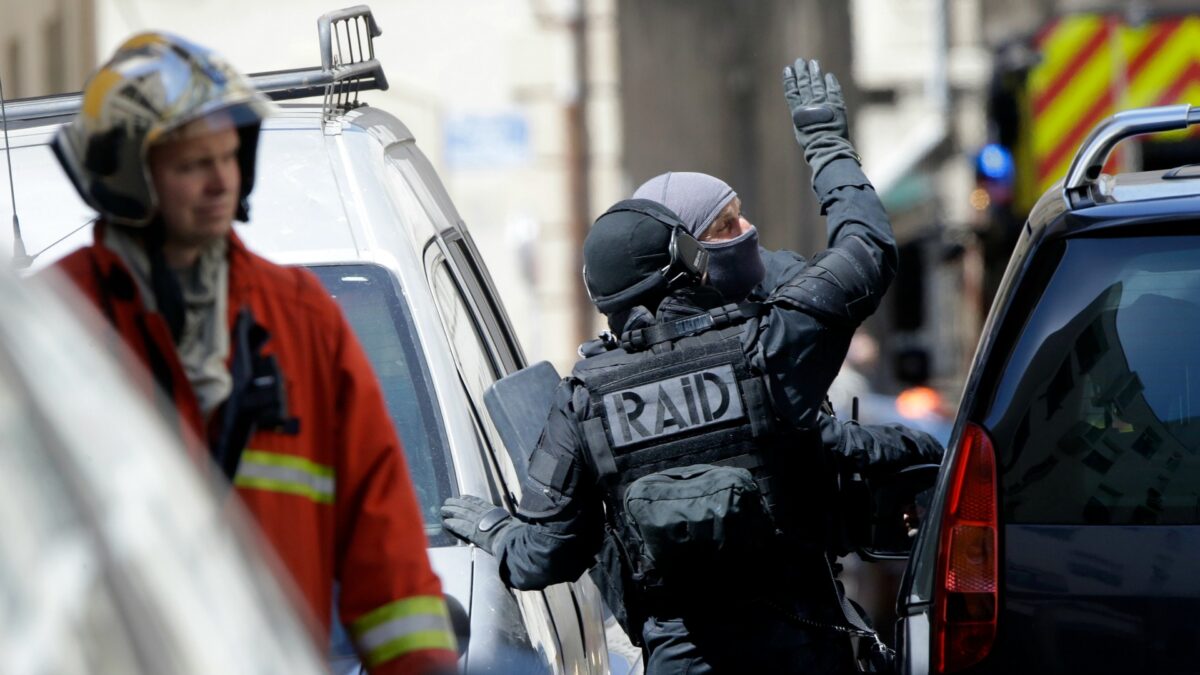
(696, 197)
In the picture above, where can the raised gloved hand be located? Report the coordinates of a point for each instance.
(475, 520)
(818, 114)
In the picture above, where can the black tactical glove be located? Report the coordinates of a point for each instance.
(475, 520)
(818, 114)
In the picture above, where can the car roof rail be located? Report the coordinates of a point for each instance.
(353, 67)
(1093, 153)
(348, 67)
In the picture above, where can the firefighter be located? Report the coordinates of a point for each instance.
(692, 450)
(256, 364)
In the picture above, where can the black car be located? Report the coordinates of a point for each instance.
(1065, 525)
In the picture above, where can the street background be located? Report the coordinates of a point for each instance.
(538, 114)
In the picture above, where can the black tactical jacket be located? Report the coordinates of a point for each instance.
(798, 345)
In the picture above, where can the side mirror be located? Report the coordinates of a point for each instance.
(899, 503)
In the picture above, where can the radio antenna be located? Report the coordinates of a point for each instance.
(21, 260)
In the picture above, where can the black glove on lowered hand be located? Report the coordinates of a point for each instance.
(818, 114)
(475, 520)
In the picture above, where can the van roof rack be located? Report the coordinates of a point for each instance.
(1084, 174)
(348, 66)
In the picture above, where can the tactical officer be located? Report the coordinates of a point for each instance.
(692, 449)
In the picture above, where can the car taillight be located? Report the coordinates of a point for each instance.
(966, 594)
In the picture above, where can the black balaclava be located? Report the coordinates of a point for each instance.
(735, 267)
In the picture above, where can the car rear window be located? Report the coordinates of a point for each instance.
(370, 299)
(1095, 420)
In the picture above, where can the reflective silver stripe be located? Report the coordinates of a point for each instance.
(285, 473)
(403, 626)
(397, 628)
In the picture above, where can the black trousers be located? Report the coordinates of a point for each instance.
(741, 638)
(775, 614)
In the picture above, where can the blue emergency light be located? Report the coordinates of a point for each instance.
(995, 162)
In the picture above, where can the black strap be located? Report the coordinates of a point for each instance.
(258, 396)
(881, 654)
(857, 625)
(117, 283)
(747, 461)
(160, 368)
(758, 407)
(605, 342)
(599, 450)
(641, 339)
(168, 293)
(879, 659)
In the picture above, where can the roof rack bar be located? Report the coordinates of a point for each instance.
(285, 85)
(325, 24)
(280, 85)
(44, 106)
(1093, 153)
(342, 34)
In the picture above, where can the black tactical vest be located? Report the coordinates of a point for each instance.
(662, 402)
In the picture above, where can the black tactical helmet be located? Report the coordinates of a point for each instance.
(638, 249)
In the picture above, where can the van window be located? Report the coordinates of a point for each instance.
(372, 304)
(505, 348)
(475, 365)
(1097, 414)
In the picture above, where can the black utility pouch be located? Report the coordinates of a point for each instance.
(693, 520)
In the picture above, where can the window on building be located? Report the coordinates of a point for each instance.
(55, 61)
(12, 77)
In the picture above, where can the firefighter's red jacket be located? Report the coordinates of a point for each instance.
(335, 499)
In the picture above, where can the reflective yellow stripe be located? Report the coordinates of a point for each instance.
(289, 474)
(93, 99)
(401, 627)
(141, 40)
(290, 461)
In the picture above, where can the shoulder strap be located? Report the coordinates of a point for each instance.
(880, 655)
(727, 315)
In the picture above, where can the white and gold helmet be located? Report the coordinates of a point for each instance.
(154, 84)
